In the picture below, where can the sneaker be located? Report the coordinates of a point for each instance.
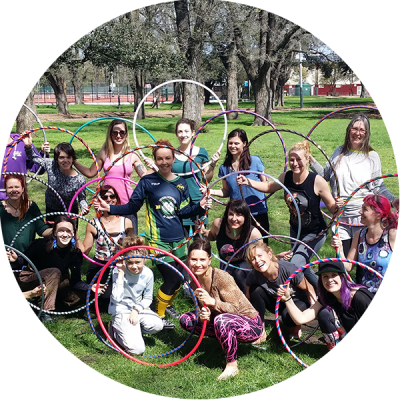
(295, 332)
(47, 318)
(186, 291)
(172, 312)
(167, 324)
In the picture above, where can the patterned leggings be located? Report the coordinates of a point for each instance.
(229, 329)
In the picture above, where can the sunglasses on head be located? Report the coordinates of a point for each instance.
(106, 196)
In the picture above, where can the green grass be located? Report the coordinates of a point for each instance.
(196, 377)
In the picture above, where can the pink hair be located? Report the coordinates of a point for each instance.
(382, 206)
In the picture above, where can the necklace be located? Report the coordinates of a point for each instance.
(16, 209)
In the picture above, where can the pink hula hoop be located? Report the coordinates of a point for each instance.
(96, 303)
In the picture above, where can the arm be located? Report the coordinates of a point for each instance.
(132, 207)
(211, 234)
(308, 288)
(90, 172)
(89, 238)
(224, 192)
(353, 252)
(299, 317)
(117, 292)
(210, 170)
(392, 237)
(147, 294)
(129, 231)
(263, 185)
(321, 189)
(138, 165)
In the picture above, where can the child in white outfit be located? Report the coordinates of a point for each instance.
(132, 294)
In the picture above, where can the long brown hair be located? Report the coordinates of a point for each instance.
(24, 201)
(245, 157)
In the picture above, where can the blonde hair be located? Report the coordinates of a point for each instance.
(259, 244)
(108, 145)
(304, 145)
(130, 241)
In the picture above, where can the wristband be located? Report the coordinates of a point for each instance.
(290, 298)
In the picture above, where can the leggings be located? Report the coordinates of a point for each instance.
(229, 329)
(331, 327)
(172, 281)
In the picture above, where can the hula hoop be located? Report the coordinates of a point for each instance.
(325, 155)
(272, 178)
(174, 81)
(287, 282)
(352, 194)
(173, 149)
(339, 110)
(37, 273)
(245, 112)
(181, 276)
(101, 322)
(264, 237)
(41, 216)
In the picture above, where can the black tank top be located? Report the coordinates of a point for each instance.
(227, 246)
(312, 220)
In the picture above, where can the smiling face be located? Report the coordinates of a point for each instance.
(369, 215)
(118, 134)
(14, 189)
(297, 161)
(64, 161)
(260, 259)
(331, 282)
(199, 262)
(64, 233)
(109, 197)
(357, 135)
(184, 133)
(235, 145)
(235, 220)
(164, 159)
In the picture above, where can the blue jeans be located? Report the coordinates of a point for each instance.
(302, 254)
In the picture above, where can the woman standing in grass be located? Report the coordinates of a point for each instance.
(355, 162)
(230, 316)
(339, 307)
(167, 202)
(116, 144)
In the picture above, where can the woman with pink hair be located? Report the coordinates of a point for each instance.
(372, 245)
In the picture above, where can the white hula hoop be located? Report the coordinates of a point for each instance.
(190, 153)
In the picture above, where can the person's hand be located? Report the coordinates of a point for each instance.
(336, 243)
(36, 292)
(215, 158)
(205, 314)
(283, 293)
(102, 288)
(121, 267)
(285, 255)
(27, 139)
(198, 225)
(203, 189)
(339, 202)
(100, 205)
(134, 317)
(12, 255)
(204, 297)
(206, 202)
(149, 163)
(85, 210)
(45, 148)
(242, 180)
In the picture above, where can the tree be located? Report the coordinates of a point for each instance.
(25, 118)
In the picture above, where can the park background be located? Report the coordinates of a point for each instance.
(291, 365)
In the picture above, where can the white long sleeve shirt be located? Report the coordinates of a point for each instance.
(134, 291)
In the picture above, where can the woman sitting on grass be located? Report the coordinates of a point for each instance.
(230, 316)
(340, 303)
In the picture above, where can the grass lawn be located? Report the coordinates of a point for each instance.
(196, 377)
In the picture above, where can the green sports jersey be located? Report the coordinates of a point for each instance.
(167, 202)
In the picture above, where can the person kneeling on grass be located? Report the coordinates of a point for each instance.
(132, 294)
(340, 304)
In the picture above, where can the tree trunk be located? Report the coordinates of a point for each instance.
(191, 105)
(138, 90)
(363, 94)
(77, 84)
(232, 99)
(25, 118)
(261, 97)
(177, 93)
(58, 84)
(207, 94)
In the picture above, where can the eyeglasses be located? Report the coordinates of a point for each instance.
(106, 197)
(362, 131)
(116, 133)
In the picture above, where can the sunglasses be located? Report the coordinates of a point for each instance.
(120, 133)
(106, 196)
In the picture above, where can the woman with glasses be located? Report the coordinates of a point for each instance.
(355, 162)
(117, 228)
(116, 144)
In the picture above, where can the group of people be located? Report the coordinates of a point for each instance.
(233, 298)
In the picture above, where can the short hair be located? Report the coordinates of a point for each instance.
(66, 148)
(105, 188)
(382, 206)
(130, 241)
(187, 121)
(163, 142)
(200, 244)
